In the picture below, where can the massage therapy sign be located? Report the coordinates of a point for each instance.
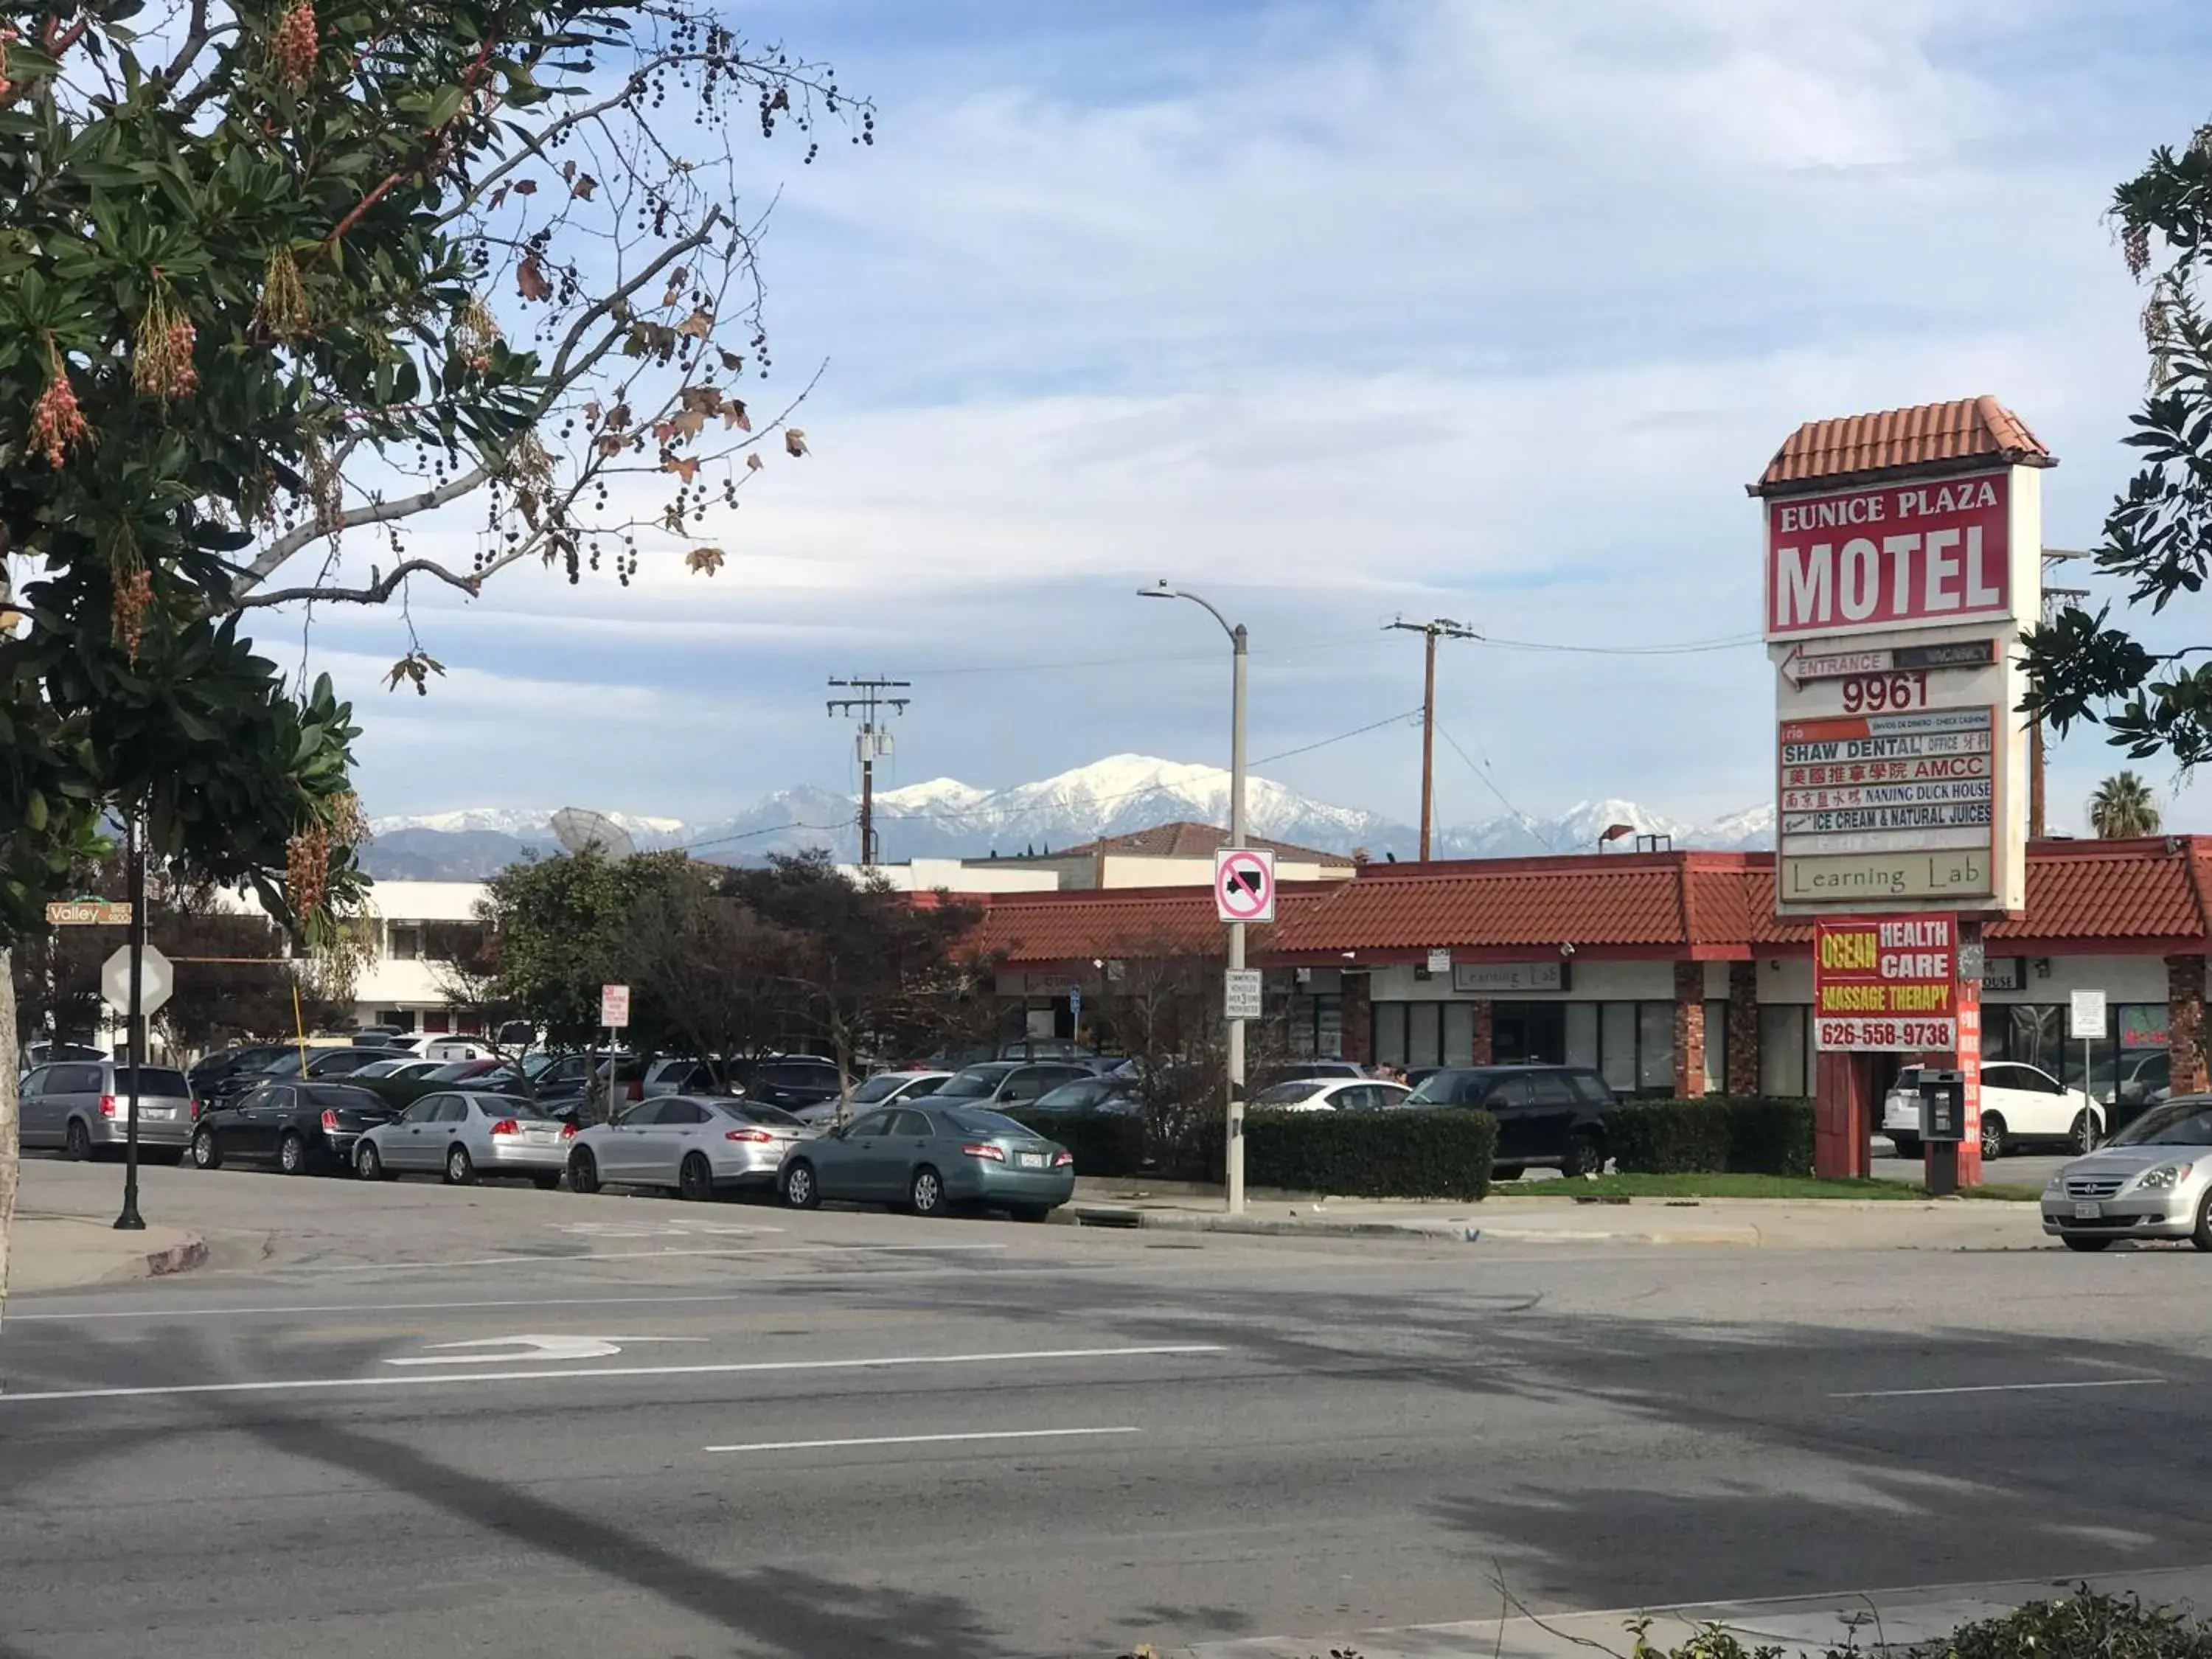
(1889, 985)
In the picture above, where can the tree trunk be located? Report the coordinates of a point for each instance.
(10, 1144)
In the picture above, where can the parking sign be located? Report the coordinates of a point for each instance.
(614, 1006)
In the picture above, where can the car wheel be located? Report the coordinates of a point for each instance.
(2084, 1135)
(2077, 1242)
(1907, 1145)
(206, 1155)
(2201, 1237)
(460, 1169)
(694, 1178)
(1584, 1155)
(800, 1190)
(583, 1171)
(369, 1164)
(1993, 1136)
(76, 1143)
(1508, 1171)
(925, 1193)
(292, 1155)
(546, 1180)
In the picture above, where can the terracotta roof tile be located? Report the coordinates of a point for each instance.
(1189, 839)
(1497, 903)
(1857, 445)
(1129, 922)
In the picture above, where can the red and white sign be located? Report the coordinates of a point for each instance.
(614, 1006)
(1244, 883)
(1891, 985)
(1901, 555)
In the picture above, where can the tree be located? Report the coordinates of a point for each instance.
(559, 923)
(2123, 807)
(2158, 536)
(268, 276)
(710, 977)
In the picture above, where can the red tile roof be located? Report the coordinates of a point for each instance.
(1858, 445)
(1042, 929)
(1188, 839)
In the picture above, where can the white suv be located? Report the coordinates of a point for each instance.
(2019, 1104)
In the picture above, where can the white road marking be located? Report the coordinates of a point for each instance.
(188, 1311)
(655, 1230)
(642, 1256)
(531, 1347)
(295, 1385)
(2004, 1388)
(921, 1439)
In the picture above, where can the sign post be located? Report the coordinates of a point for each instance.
(1240, 997)
(137, 981)
(1075, 1014)
(2085, 1018)
(614, 1014)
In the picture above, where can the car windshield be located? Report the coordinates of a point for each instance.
(2177, 1123)
(533, 1064)
(1435, 1090)
(1288, 1094)
(153, 1080)
(333, 1094)
(970, 1121)
(882, 1086)
(454, 1071)
(974, 1084)
(1070, 1097)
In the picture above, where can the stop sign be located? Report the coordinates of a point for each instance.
(155, 979)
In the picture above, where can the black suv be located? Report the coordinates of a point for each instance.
(790, 1081)
(1546, 1114)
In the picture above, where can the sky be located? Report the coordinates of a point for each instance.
(1338, 314)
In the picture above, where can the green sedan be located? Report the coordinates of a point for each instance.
(928, 1159)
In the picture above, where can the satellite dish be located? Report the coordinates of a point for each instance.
(580, 829)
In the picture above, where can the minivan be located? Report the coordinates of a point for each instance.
(80, 1106)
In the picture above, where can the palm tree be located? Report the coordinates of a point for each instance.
(2122, 808)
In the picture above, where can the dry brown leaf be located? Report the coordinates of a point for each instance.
(568, 169)
(530, 280)
(753, 462)
(526, 187)
(584, 186)
(698, 325)
(592, 412)
(663, 431)
(733, 415)
(706, 561)
(689, 422)
(686, 469)
(499, 195)
(732, 362)
(794, 440)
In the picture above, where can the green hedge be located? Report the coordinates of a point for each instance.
(1105, 1144)
(1432, 1154)
(1716, 1135)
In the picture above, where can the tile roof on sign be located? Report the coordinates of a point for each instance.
(1857, 446)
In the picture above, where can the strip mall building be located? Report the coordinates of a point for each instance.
(1668, 972)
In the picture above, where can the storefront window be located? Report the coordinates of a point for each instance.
(1784, 1065)
(1582, 1034)
(1328, 1027)
(1617, 1046)
(1390, 1034)
(1424, 1034)
(1654, 1046)
(1459, 1033)
(1715, 1047)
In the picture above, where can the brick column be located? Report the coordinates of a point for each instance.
(1358, 1018)
(1485, 1033)
(1689, 1030)
(2184, 1023)
(1742, 1037)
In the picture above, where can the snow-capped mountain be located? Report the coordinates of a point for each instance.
(946, 818)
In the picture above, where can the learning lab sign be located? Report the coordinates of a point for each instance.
(1891, 984)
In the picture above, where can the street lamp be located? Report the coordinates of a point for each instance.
(1237, 642)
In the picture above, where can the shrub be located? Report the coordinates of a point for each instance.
(1424, 1154)
(1711, 1136)
(1105, 1144)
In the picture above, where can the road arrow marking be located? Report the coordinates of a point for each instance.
(529, 1347)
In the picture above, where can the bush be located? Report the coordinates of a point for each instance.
(1713, 1136)
(1427, 1154)
(1105, 1144)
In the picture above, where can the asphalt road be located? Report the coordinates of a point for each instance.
(729, 1430)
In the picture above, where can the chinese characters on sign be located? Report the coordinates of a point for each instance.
(1889, 985)
(1888, 806)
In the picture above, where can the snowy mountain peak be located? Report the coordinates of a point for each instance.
(517, 821)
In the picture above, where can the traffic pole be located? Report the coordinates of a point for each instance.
(135, 857)
(1234, 1173)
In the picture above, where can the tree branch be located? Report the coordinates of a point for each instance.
(377, 513)
(375, 593)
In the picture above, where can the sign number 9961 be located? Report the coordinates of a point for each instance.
(1871, 694)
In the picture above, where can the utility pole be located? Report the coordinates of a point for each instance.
(873, 743)
(2054, 599)
(1441, 629)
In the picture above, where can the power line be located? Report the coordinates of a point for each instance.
(1685, 648)
(1357, 731)
(1491, 784)
(772, 829)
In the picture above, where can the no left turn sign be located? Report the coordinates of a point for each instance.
(1244, 883)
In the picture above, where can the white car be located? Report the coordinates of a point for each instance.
(881, 1089)
(694, 1144)
(1331, 1094)
(2020, 1103)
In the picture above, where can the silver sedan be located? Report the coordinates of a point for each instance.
(463, 1136)
(2153, 1181)
(695, 1144)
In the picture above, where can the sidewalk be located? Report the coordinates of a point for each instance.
(1807, 1626)
(62, 1252)
(1771, 1223)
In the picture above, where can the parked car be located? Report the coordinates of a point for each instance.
(463, 1136)
(791, 1081)
(499, 1076)
(694, 1144)
(562, 1086)
(1116, 1097)
(298, 1127)
(395, 1068)
(80, 1105)
(677, 1076)
(36, 1054)
(1002, 1083)
(2154, 1180)
(884, 1089)
(1302, 1070)
(289, 1061)
(1332, 1094)
(459, 1047)
(1045, 1049)
(211, 1070)
(1551, 1114)
(2021, 1104)
(930, 1156)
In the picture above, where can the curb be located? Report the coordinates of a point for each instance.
(1466, 1232)
(186, 1254)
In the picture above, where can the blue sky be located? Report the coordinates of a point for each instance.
(1337, 311)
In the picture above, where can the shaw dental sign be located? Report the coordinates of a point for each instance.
(1890, 556)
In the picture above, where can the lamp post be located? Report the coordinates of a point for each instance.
(1234, 1162)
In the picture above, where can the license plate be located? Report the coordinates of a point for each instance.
(1030, 1160)
(162, 1112)
(2088, 1212)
